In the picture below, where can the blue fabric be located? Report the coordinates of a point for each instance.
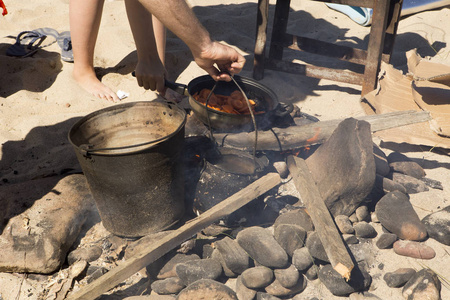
(363, 16)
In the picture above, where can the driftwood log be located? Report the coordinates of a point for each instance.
(321, 217)
(295, 137)
(175, 238)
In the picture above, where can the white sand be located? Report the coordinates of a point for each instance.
(38, 97)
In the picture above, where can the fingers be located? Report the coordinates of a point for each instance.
(151, 82)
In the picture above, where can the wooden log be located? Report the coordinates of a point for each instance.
(295, 137)
(176, 237)
(321, 217)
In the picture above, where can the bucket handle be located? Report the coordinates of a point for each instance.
(87, 149)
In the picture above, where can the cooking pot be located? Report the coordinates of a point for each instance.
(267, 106)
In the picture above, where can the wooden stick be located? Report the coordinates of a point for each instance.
(176, 237)
(320, 215)
(294, 137)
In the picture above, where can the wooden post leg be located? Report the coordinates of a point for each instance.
(395, 9)
(376, 45)
(261, 38)
(280, 21)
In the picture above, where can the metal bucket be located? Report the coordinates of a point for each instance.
(131, 155)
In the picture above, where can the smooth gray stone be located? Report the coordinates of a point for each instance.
(287, 277)
(316, 248)
(424, 284)
(276, 289)
(207, 289)
(89, 254)
(399, 277)
(364, 230)
(290, 237)
(260, 245)
(411, 184)
(362, 213)
(437, 225)
(217, 256)
(337, 285)
(363, 296)
(397, 215)
(344, 225)
(381, 162)
(172, 285)
(302, 259)
(312, 273)
(296, 217)
(235, 258)
(265, 296)
(387, 185)
(408, 167)
(350, 239)
(168, 268)
(194, 270)
(257, 277)
(243, 292)
(386, 240)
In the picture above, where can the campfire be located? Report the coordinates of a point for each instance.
(267, 219)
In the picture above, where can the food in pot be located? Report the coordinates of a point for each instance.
(234, 103)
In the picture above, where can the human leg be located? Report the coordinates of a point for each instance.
(149, 37)
(84, 26)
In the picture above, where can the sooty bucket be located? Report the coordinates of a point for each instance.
(131, 155)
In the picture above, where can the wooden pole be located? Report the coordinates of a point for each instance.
(295, 137)
(175, 238)
(321, 217)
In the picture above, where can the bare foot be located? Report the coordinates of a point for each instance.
(89, 82)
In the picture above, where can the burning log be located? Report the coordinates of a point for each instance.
(294, 137)
(176, 237)
(325, 227)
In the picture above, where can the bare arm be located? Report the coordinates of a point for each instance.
(177, 16)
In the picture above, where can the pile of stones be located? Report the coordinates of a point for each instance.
(278, 261)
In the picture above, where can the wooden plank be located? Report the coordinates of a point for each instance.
(295, 137)
(321, 217)
(176, 237)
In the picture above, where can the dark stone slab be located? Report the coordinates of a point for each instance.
(344, 167)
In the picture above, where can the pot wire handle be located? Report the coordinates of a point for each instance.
(253, 119)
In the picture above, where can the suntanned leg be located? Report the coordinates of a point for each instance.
(85, 17)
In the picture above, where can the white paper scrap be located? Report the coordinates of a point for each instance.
(122, 95)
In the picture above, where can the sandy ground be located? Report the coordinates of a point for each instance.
(39, 100)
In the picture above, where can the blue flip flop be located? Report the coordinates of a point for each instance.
(65, 43)
(27, 44)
